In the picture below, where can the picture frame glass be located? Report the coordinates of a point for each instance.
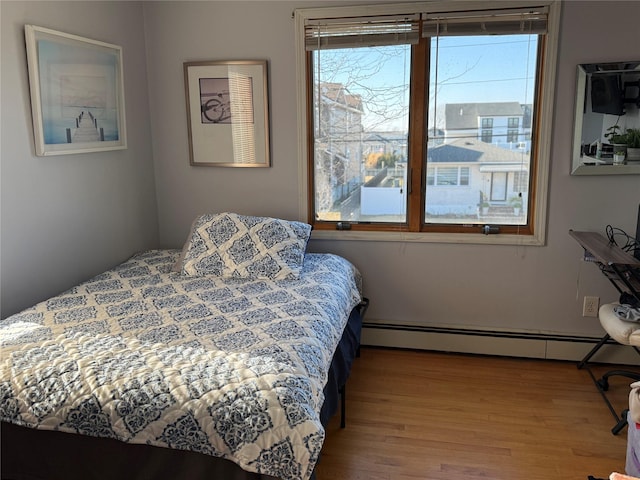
(607, 98)
(227, 113)
(77, 97)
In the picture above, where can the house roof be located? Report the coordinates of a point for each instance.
(465, 115)
(471, 150)
(385, 137)
(339, 94)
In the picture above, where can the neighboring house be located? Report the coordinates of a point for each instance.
(463, 177)
(385, 143)
(339, 136)
(464, 174)
(504, 124)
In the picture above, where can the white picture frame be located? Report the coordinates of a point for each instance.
(227, 113)
(77, 93)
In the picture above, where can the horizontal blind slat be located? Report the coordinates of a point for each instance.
(485, 22)
(360, 32)
(434, 29)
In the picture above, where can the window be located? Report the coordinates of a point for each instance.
(520, 181)
(487, 136)
(416, 117)
(487, 123)
(448, 176)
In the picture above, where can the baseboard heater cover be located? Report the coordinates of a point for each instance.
(484, 333)
(493, 342)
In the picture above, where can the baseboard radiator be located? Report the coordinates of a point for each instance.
(493, 342)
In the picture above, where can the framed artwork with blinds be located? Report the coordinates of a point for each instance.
(227, 113)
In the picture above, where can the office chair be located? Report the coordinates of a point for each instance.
(625, 333)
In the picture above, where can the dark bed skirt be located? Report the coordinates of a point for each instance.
(29, 454)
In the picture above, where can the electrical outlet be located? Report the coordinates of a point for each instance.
(590, 306)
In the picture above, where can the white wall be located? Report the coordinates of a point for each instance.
(515, 288)
(179, 32)
(67, 218)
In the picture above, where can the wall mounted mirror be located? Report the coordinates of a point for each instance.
(607, 119)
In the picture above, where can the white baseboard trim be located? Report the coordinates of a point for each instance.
(501, 343)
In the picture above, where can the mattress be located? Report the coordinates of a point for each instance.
(229, 368)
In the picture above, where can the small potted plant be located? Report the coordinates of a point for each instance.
(633, 144)
(516, 203)
(618, 155)
(615, 135)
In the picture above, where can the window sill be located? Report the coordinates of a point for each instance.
(420, 237)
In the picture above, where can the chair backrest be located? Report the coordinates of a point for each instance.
(622, 331)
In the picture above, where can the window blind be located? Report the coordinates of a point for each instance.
(485, 22)
(329, 33)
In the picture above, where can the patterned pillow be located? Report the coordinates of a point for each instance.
(237, 246)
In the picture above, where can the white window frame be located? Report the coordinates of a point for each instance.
(545, 118)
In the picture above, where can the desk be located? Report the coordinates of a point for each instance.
(623, 271)
(621, 268)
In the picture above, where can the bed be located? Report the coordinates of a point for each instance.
(221, 360)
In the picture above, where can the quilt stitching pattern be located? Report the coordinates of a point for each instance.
(186, 434)
(88, 419)
(228, 367)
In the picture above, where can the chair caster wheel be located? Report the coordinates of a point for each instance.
(603, 384)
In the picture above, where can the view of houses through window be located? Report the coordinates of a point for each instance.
(479, 130)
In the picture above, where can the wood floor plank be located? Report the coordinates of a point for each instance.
(434, 416)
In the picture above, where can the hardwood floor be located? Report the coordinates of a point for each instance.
(424, 415)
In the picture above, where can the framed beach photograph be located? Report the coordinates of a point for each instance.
(77, 93)
(227, 113)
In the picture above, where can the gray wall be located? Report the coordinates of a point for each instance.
(514, 288)
(66, 218)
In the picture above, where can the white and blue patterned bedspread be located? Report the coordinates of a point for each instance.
(229, 368)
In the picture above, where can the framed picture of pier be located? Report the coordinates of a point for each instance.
(77, 93)
(227, 113)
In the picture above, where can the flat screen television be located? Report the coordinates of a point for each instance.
(606, 94)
